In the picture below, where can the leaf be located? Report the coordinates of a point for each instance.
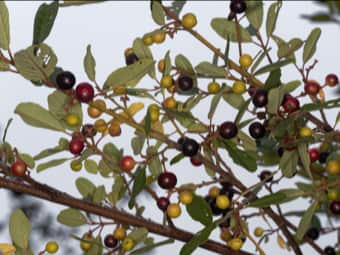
(188, 121)
(129, 75)
(63, 145)
(143, 52)
(288, 163)
(227, 29)
(112, 151)
(207, 69)
(268, 200)
(235, 100)
(146, 249)
(96, 247)
(242, 111)
(176, 7)
(306, 220)
(67, 3)
(91, 166)
(257, 61)
(167, 64)
(272, 16)
(248, 143)
(138, 185)
(44, 20)
(273, 80)
(208, 154)
(20, 228)
(291, 86)
(147, 120)
(199, 210)
(138, 234)
(287, 49)
(310, 45)
(90, 64)
(137, 144)
(4, 26)
(272, 67)
(326, 105)
(85, 187)
(319, 17)
(99, 194)
(304, 157)
(275, 97)
(28, 159)
(52, 163)
(4, 66)
(213, 106)
(158, 13)
(254, 13)
(177, 158)
(184, 65)
(36, 63)
(155, 165)
(71, 217)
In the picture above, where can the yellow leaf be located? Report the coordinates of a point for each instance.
(7, 249)
(157, 126)
(132, 110)
(281, 242)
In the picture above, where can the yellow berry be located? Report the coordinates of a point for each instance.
(159, 36)
(245, 60)
(173, 210)
(86, 242)
(52, 247)
(235, 244)
(305, 132)
(214, 87)
(114, 129)
(332, 194)
(119, 90)
(225, 235)
(119, 233)
(222, 202)
(128, 244)
(76, 165)
(170, 103)
(147, 40)
(72, 120)
(258, 232)
(161, 65)
(100, 125)
(239, 87)
(214, 191)
(166, 81)
(189, 21)
(333, 167)
(186, 197)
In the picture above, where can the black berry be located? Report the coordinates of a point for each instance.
(228, 130)
(323, 157)
(260, 98)
(238, 6)
(329, 250)
(65, 80)
(257, 130)
(190, 147)
(264, 175)
(313, 233)
(185, 83)
(167, 180)
(335, 207)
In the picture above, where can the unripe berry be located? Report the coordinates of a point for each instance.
(258, 232)
(214, 191)
(245, 60)
(147, 40)
(119, 233)
(222, 202)
(235, 244)
(114, 129)
(72, 120)
(128, 244)
(305, 132)
(52, 247)
(214, 87)
(166, 81)
(333, 167)
(189, 21)
(186, 197)
(173, 211)
(76, 165)
(159, 36)
(239, 87)
(86, 242)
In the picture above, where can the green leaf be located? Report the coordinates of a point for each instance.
(129, 75)
(335, 103)
(137, 144)
(268, 200)
(167, 64)
(71, 217)
(207, 69)
(184, 65)
(304, 157)
(99, 194)
(310, 45)
(306, 220)
(199, 210)
(90, 64)
(275, 97)
(138, 185)
(158, 13)
(36, 63)
(273, 80)
(155, 165)
(213, 106)
(291, 86)
(112, 151)
(138, 234)
(147, 127)
(118, 190)
(20, 228)
(242, 111)
(272, 67)
(4, 66)
(28, 159)
(187, 120)
(44, 20)
(288, 163)
(91, 166)
(143, 52)
(227, 29)
(287, 49)
(51, 163)
(254, 13)
(96, 247)
(208, 154)
(4, 26)
(272, 16)
(319, 17)
(63, 145)
(235, 100)
(177, 158)
(257, 61)
(248, 143)
(146, 249)
(85, 187)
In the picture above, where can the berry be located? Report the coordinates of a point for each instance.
(212, 203)
(335, 207)
(333, 167)
(86, 242)
(170, 103)
(131, 59)
(332, 194)
(76, 146)
(258, 232)
(323, 157)
(332, 80)
(280, 151)
(251, 91)
(88, 130)
(185, 83)
(290, 104)
(173, 211)
(114, 129)
(186, 197)
(313, 154)
(238, 6)
(51, 247)
(159, 36)
(72, 120)
(257, 130)
(119, 233)
(147, 40)
(128, 244)
(239, 87)
(313, 233)
(235, 244)
(312, 88)
(190, 147)
(110, 241)
(65, 80)
(181, 140)
(128, 51)
(329, 250)
(189, 21)
(222, 202)
(154, 112)
(227, 190)
(266, 175)
(195, 161)
(228, 130)
(166, 81)
(161, 65)
(167, 180)
(19, 168)
(225, 235)
(76, 165)
(127, 163)
(214, 87)
(84, 92)
(245, 60)
(305, 132)
(214, 191)
(260, 98)
(163, 203)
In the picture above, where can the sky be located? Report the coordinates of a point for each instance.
(110, 28)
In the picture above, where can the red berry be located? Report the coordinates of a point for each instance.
(127, 163)
(19, 168)
(167, 180)
(163, 203)
(195, 161)
(228, 130)
(335, 207)
(332, 80)
(110, 241)
(84, 92)
(312, 88)
(76, 146)
(290, 104)
(314, 154)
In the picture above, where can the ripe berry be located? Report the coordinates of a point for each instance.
(186, 197)
(323, 157)
(222, 202)
(332, 80)
(313, 233)
(119, 233)
(260, 98)
(76, 146)
(329, 250)
(163, 203)
(51, 247)
(181, 140)
(189, 21)
(266, 175)
(238, 6)
(166, 81)
(290, 104)
(235, 244)
(257, 130)
(190, 147)
(19, 168)
(335, 207)
(185, 83)
(131, 59)
(239, 87)
(173, 211)
(65, 80)
(258, 232)
(159, 36)
(228, 130)
(167, 180)
(312, 88)
(313, 154)
(84, 92)
(127, 163)
(195, 161)
(128, 244)
(110, 241)
(214, 87)
(245, 60)
(305, 132)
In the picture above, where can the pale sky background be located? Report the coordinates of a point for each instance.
(110, 28)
